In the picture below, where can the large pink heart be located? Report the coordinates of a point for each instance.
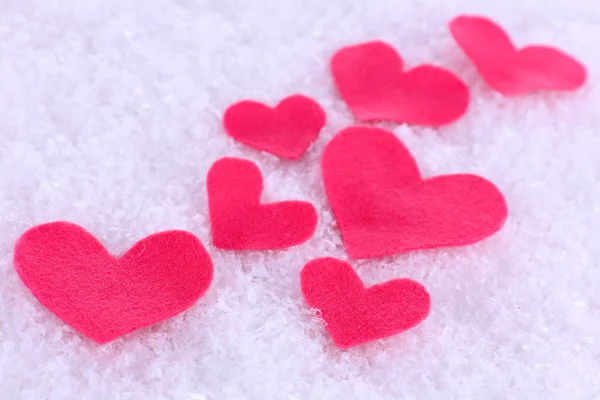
(105, 297)
(383, 206)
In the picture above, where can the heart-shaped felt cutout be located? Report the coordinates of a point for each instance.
(104, 297)
(286, 130)
(355, 314)
(383, 206)
(240, 222)
(513, 71)
(370, 79)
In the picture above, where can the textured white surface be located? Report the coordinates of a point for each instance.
(110, 118)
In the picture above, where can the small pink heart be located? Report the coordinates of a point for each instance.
(355, 314)
(286, 130)
(371, 80)
(238, 219)
(513, 71)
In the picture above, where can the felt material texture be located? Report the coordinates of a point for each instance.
(240, 222)
(104, 297)
(354, 314)
(371, 80)
(383, 206)
(111, 115)
(512, 71)
(286, 130)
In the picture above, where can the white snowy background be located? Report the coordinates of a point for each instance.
(110, 117)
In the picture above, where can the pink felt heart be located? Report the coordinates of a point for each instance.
(383, 206)
(240, 222)
(355, 314)
(286, 130)
(513, 71)
(104, 297)
(370, 79)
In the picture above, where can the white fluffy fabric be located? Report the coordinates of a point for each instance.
(110, 117)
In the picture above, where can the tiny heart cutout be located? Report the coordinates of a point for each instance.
(369, 78)
(240, 222)
(104, 297)
(286, 130)
(355, 314)
(384, 207)
(509, 70)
